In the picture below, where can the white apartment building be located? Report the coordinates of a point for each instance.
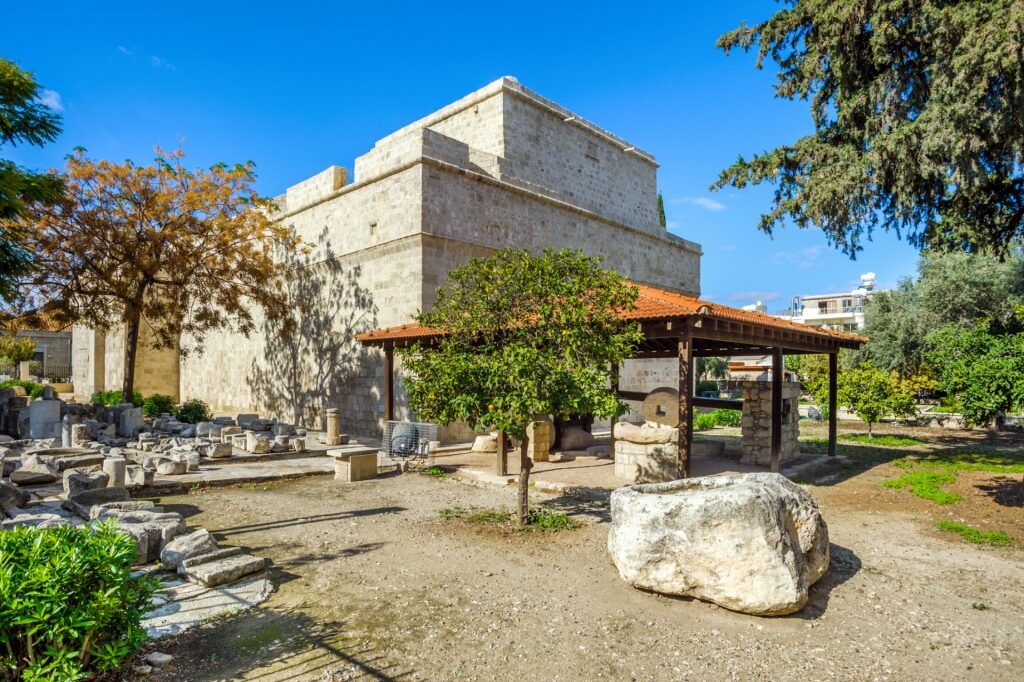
(843, 311)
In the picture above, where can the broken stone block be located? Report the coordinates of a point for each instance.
(219, 450)
(185, 546)
(298, 444)
(66, 422)
(170, 467)
(222, 571)
(130, 422)
(203, 429)
(34, 471)
(190, 458)
(115, 467)
(228, 432)
(138, 476)
(79, 435)
(256, 443)
(351, 468)
(11, 497)
(44, 419)
(76, 482)
(205, 557)
(157, 529)
(243, 420)
(83, 502)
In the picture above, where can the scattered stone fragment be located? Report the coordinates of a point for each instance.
(34, 471)
(142, 670)
(151, 530)
(206, 557)
(82, 503)
(185, 546)
(115, 468)
(11, 497)
(171, 468)
(77, 481)
(222, 571)
(159, 659)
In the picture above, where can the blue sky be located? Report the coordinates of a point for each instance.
(296, 88)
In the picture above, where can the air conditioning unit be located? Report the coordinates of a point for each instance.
(404, 440)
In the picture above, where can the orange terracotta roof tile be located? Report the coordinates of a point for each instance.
(651, 304)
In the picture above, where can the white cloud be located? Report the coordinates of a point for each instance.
(751, 296)
(126, 50)
(160, 63)
(51, 98)
(804, 258)
(703, 202)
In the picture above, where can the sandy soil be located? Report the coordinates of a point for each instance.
(375, 585)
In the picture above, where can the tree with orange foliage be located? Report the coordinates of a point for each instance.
(185, 251)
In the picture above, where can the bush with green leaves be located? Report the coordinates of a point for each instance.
(872, 394)
(727, 417)
(32, 388)
(704, 421)
(157, 404)
(707, 387)
(69, 605)
(111, 398)
(193, 411)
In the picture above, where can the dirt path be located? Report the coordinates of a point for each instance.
(375, 585)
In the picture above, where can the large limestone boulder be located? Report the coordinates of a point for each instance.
(646, 433)
(185, 546)
(752, 543)
(11, 497)
(575, 438)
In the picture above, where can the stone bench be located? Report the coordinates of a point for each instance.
(351, 467)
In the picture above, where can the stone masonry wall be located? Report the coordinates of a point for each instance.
(500, 167)
(756, 423)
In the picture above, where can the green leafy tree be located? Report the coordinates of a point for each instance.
(23, 120)
(17, 350)
(918, 110)
(984, 370)
(522, 336)
(873, 394)
(661, 211)
(950, 288)
(711, 368)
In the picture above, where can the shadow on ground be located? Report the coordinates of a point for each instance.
(273, 644)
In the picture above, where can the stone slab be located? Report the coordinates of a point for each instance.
(190, 605)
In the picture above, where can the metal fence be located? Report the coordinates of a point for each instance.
(38, 370)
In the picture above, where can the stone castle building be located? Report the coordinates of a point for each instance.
(501, 167)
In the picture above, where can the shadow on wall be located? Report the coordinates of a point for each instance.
(310, 361)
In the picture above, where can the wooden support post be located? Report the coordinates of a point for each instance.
(389, 384)
(615, 389)
(685, 352)
(777, 372)
(833, 380)
(502, 463)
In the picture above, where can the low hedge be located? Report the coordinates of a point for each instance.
(111, 398)
(32, 388)
(69, 605)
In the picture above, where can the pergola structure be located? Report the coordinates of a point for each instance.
(683, 327)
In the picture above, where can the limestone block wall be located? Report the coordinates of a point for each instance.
(492, 214)
(547, 145)
(56, 346)
(156, 370)
(322, 366)
(756, 423)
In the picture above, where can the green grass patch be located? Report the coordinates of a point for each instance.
(965, 461)
(435, 472)
(926, 485)
(993, 538)
(885, 440)
(451, 513)
(551, 520)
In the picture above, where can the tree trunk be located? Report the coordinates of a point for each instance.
(133, 321)
(525, 464)
(870, 435)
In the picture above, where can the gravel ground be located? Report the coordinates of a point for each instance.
(375, 585)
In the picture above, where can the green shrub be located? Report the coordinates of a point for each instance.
(32, 388)
(704, 421)
(69, 606)
(157, 404)
(193, 411)
(727, 417)
(111, 398)
(551, 520)
(707, 387)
